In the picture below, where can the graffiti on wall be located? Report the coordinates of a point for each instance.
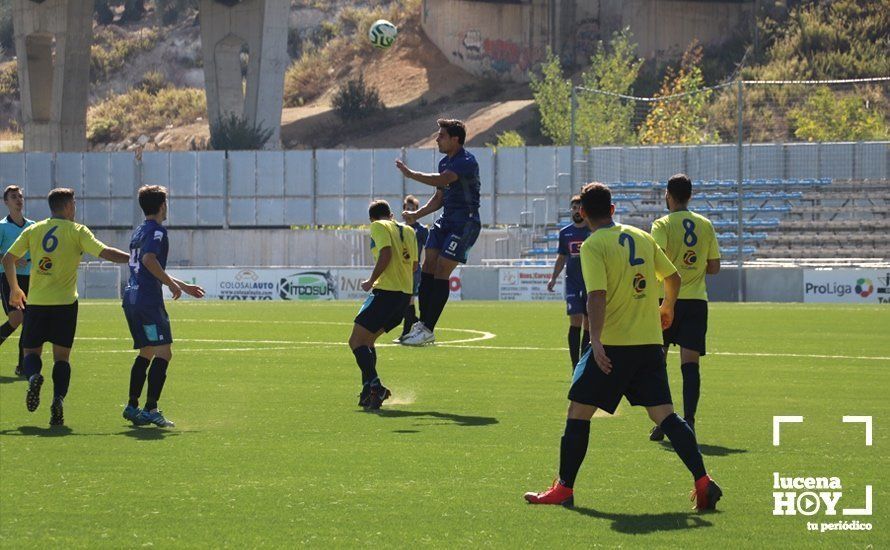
(587, 36)
(494, 57)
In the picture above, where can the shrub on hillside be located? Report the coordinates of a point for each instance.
(355, 100)
(138, 112)
(110, 52)
(9, 80)
(234, 133)
(152, 82)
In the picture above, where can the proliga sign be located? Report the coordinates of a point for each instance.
(856, 286)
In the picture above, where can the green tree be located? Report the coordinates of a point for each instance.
(829, 117)
(552, 93)
(680, 119)
(510, 138)
(604, 119)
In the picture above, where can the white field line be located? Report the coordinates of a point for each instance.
(287, 344)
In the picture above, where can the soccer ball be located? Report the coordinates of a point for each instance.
(382, 34)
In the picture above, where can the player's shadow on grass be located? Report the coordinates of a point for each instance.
(644, 524)
(708, 450)
(149, 434)
(38, 431)
(10, 379)
(456, 419)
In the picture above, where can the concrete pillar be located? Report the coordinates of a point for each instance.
(52, 39)
(227, 26)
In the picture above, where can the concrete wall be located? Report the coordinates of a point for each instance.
(662, 29)
(277, 247)
(504, 40)
(494, 40)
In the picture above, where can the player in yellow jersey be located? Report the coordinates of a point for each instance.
(621, 266)
(391, 284)
(689, 241)
(56, 245)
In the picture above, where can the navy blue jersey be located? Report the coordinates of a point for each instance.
(143, 288)
(571, 238)
(461, 196)
(422, 234)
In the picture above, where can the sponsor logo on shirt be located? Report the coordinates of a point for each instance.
(689, 258)
(45, 264)
(639, 283)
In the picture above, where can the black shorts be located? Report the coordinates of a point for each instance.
(384, 309)
(5, 290)
(638, 373)
(149, 325)
(690, 325)
(55, 324)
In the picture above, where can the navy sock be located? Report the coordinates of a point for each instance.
(32, 365)
(572, 449)
(691, 389)
(5, 330)
(61, 379)
(574, 344)
(137, 379)
(438, 298)
(424, 292)
(365, 358)
(410, 319)
(685, 445)
(21, 354)
(157, 375)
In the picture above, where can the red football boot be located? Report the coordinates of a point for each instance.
(706, 494)
(556, 494)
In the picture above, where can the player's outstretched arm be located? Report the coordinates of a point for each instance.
(151, 263)
(114, 255)
(194, 291)
(16, 294)
(382, 261)
(557, 269)
(444, 179)
(431, 206)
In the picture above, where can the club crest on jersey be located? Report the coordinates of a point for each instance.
(45, 264)
(639, 283)
(689, 258)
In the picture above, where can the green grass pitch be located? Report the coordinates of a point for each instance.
(271, 450)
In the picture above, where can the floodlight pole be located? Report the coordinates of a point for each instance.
(740, 225)
(572, 109)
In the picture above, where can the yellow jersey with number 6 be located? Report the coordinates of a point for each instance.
(56, 246)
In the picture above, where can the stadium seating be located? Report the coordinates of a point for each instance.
(783, 218)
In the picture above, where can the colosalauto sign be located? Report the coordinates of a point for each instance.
(858, 286)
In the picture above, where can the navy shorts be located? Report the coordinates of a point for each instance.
(454, 240)
(54, 324)
(638, 373)
(690, 325)
(384, 309)
(576, 303)
(149, 325)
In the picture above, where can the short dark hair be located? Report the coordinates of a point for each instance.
(680, 187)
(412, 199)
(379, 210)
(454, 128)
(151, 198)
(58, 198)
(596, 199)
(575, 199)
(11, 189)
